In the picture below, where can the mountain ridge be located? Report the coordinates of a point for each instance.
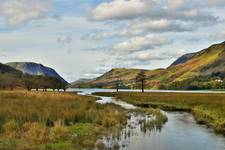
(208, 62)
(7, 69)
(33, 68)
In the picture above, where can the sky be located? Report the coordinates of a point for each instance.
(85, 38)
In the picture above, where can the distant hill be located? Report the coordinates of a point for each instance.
(209, 63)
(7, 69)
(35, 69)
(81, 83)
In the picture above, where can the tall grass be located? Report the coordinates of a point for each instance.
(51, 120)
(208, 109)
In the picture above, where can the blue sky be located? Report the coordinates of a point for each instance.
(85, 38)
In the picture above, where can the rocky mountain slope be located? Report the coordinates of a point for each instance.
(35, 69)
(7, 69)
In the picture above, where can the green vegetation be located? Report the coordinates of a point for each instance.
(54, 121)
(141, 77)
(155, 124)
(208, 109)
(196, 83)
(12, 81)
(11, 78)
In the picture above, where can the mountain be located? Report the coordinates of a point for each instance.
(35, 69)
(81, 83)
(8, 69)
(183, 59)
(110, 78)
(208, 63)
(126, 77)
(205, 62)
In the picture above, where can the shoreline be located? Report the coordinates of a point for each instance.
(194, 104)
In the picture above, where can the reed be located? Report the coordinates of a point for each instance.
(52, 120)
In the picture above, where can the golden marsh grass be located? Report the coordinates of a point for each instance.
(54, 121)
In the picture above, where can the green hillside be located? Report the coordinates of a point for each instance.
(203, 67)
(205, 62)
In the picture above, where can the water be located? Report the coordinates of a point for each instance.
(105, 100)
(180, 132)
(92, 90)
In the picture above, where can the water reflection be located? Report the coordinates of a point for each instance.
(137, 123)
(179, 133)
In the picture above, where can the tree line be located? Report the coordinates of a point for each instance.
(11, 81)
(202, 82)
(196, 83)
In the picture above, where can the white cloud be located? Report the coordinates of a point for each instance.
(131, 9)
(65, 39)
(121, 9)
(192, 13)
(175, 4)
(141, 17)
(98, 35)
(17, 12)
(155, 24)
(220, 3)
(146, 57)
(140, 43)
(162, 25)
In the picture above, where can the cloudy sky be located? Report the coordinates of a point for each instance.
(84, 38)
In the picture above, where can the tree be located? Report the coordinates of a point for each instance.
(37, 82)
(63, 86)
(141, 77)
(10, 81)
(118, 84)
(28, 81)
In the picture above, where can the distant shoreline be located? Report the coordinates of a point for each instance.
(153, 91)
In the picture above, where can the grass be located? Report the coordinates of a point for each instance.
(54, 121)
(208, 109)
(155, 124)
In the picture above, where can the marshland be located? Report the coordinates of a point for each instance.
(76, 120)
(54, 121)
(207, 108)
